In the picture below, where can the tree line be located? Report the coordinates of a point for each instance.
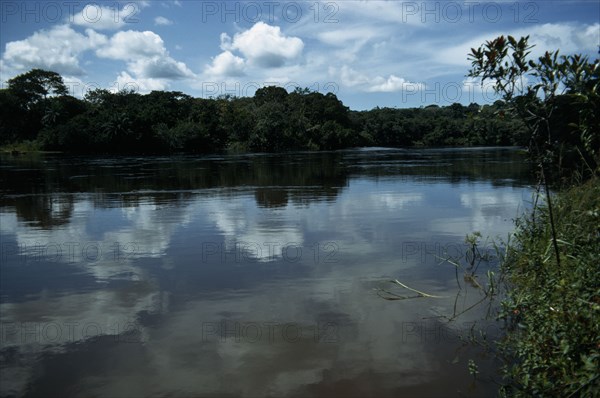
(36, 107)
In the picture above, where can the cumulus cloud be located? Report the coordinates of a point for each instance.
(160, 67)
(60, 49)
(57, 49)
(140, 82)
(350, 77)
(392, 84)
(130, 45)
(147, 59)
(378, 84)
(225, 41)
(105, 18)
(226, 64)
(264, 45)
(162, 21)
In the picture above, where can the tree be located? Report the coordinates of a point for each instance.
(35, 85)
(12, 117)
(270, 94)
(29, 93)
(543, 93)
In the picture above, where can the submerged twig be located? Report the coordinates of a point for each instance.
(393, 296)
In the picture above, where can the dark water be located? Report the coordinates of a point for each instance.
(251, 275)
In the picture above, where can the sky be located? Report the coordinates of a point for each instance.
(369, 53)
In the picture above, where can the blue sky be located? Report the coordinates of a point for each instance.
(369, 53)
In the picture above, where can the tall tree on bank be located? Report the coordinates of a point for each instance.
(35, 85)
(27, 106)
(556, 96)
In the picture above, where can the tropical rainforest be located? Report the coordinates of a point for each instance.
(36, 108)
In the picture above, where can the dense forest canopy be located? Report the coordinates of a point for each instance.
(35, 106)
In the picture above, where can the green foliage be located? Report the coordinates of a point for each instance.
(35, 85)
(556, 96)
(37, 108)
(29, 103)
(21, 147)
(13, 121)
(552, 310)
(454, 125)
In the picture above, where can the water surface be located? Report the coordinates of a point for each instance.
(246, 275)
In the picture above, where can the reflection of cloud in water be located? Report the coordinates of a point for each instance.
(243, 223)
(258, 230)
(187, 355)
(152, 228)
(54, 324)
(490, 212)
(146, 232)
(398, 201)
(178, 355)
(365, 214)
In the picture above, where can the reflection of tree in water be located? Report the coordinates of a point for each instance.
(271, 197)
(44, 211)
(500, 166)
(42, 185)
(40, 201)
(46, 185)
(302, 179)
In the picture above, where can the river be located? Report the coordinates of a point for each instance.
(248, 275)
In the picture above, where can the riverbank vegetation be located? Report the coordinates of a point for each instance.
(36, 108)
(552, 305)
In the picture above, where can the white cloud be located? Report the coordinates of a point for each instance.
(162, 21)
(264, 45)
(392, 84)
(473, 87)
(396, 12)
(57, 49)
(130, 45)
(226, 64)
(567, 37)
(149, 65)
(343, 37)
(139, 84)
(167, 4)
(225, 41)
(351, 78)
(104, 18)
(354, 41)
(147, 59)
(160, 67)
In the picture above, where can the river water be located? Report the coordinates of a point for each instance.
(248, 275)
